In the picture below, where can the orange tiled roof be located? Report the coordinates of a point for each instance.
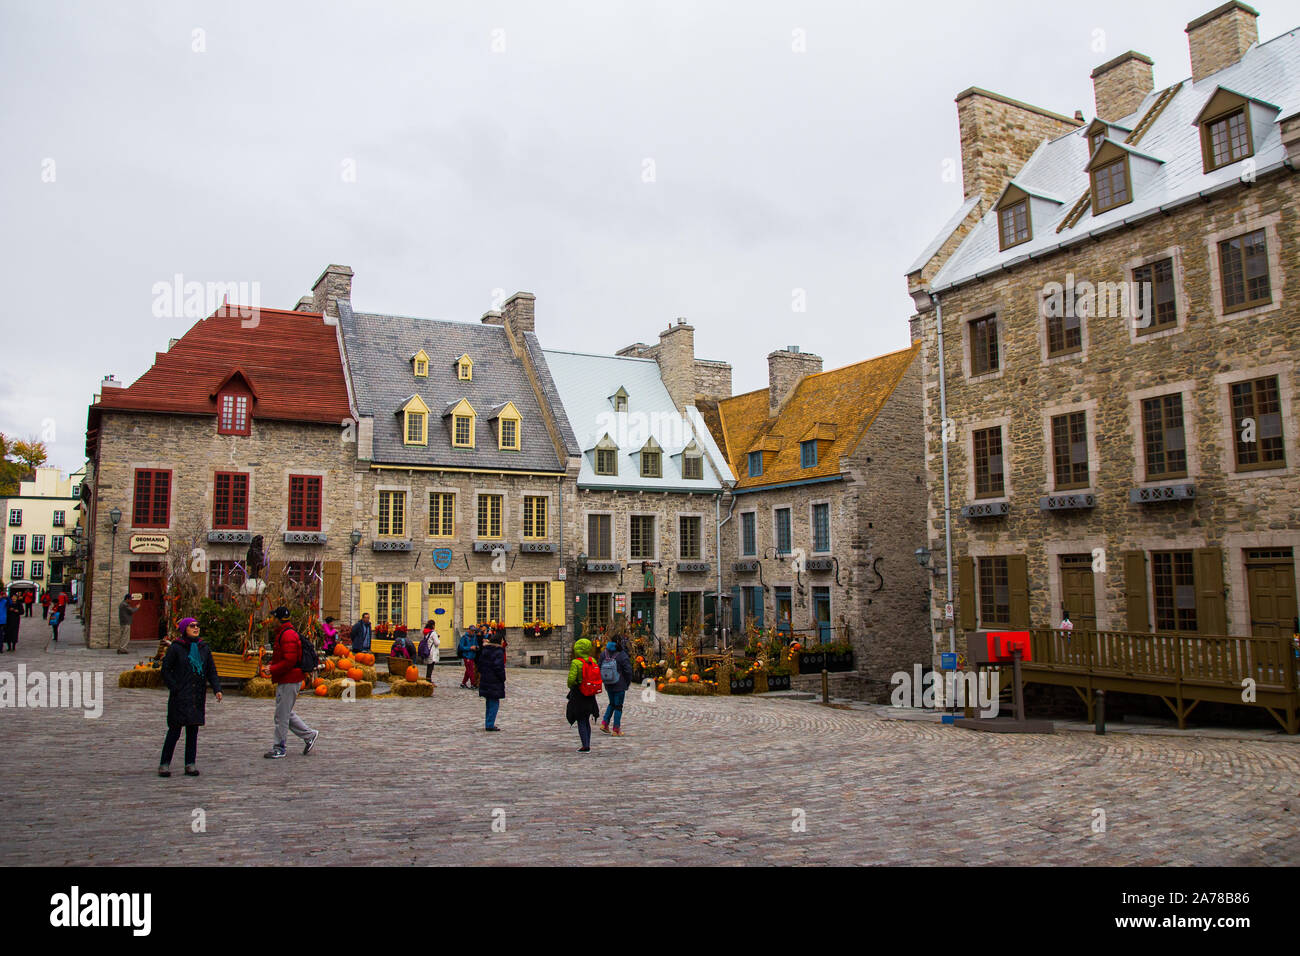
(835, 407)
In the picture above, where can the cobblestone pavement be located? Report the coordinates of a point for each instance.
(696, 781)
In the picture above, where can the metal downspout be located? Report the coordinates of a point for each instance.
(947, 491)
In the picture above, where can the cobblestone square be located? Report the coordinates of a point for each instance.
(696, 781)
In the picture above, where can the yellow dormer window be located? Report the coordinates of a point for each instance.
(465, 369)
(420, 364)
(462, 424)
(415, 422)
(508, 425)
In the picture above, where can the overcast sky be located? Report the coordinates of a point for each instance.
(626, 162)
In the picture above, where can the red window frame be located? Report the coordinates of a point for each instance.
(304, 502)
(230, 500)
(152, 501)
(233, 423)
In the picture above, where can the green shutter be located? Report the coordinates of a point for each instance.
(706, 610)
(758, 606)
(674, 613)
(1211, 614)
(1018, 588)
(579, 615)
(736, 622)
(966, 592)
(1135, 591)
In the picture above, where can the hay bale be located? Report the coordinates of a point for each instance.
(258, 687)
(363, 688)
(419, 688)
(694, 689)
(134, 678)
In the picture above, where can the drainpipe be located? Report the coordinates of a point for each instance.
(947, 497)
(717, 552)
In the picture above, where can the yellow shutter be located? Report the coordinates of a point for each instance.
(469, 606)
(331, 603)
(414, 619)
(514, 604)
(557, 603)
(368, 600)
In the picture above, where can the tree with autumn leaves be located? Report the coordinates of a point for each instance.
(18, 461)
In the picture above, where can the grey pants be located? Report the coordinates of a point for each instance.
(285, 718)
(124, 637)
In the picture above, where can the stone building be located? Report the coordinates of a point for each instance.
(39, 538)
(239, 434)
(1119, 349)
(829, 506)
(647, 507)
(464, 466)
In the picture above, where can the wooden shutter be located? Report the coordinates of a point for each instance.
(759, 603)
(674, 613)
(275, 573)
(332, 596)
(368, 600)
(735, 610)
(1211, 612)
(1018, 588)
(706, 612)
(414, 619)
(579, 614)
(557, 603)
(1135, 591)
(469, 605)
(513, 603)
(966, 598)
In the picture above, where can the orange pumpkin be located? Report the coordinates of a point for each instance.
(412, 675)
(318, 682)
(683, 679)
(340, 650)
(695, 677)
(329, 666)
(322, 690)
(661, 686)
(354, 673)
(366, 658)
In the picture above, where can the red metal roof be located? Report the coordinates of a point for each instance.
(290, 359)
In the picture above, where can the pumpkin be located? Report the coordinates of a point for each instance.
(318, 682)
(412, 675)
(322, 690)
(340, 650)
(683, 679)
(661, 686)
(329, 666)
(355, 673)
(695, 677)
(366, 658)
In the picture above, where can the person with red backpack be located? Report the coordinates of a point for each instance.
(584, 685)
(286, 672)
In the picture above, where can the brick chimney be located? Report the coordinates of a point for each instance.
(676, 358)
(334, 283)
(997, 135)
(785, 370)
(1120, 85)
(518, 313)
(1221, 37)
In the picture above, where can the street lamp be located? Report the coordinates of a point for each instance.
(922, 555)
(115, 516)
(352, 578)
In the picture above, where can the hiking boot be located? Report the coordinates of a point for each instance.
(584, 750)
(604, 727)
(275, 753)
(491, 729)
(190, 770)
(164, 771)
(311, 742)
(616, 732)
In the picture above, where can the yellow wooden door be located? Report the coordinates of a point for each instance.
(440, 609)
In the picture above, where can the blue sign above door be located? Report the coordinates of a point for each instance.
(442, 558)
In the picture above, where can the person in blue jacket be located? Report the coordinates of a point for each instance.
(467, 648)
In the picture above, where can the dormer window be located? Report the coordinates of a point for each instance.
(462, 417)
(808, 454)
(1110, 185)
(420, 364)
(755, 464)
(605, 459)
(508, 423)
(1014, 226)
(465, 369)
(1094, 141)
(619, 400)
(652, 460)
(1225, 130)
(415, 422)
(234, 414)
(692, 461)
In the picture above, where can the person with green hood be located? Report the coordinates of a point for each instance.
(188, 671)
(584, 685)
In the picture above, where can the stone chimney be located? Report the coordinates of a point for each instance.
(304, 304)
(334, 283)
(518, 313)
(997, 135)
(676, 358)
(1120, 85)
(785, 370)
(492, 317)
(1221, 37)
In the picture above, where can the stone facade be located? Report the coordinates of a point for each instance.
(997, 135)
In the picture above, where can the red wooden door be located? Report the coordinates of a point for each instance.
(144, 626)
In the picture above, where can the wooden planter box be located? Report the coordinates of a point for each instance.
(811, 663)
(778, 682)
(744, 685)
(839, 662)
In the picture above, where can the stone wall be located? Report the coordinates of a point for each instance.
(997, 135)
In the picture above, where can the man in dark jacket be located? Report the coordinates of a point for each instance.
(616, 673)
(491, 678)
(287, 676)
(360, 636)
(125, 612)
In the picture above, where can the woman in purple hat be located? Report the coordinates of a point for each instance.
(188, 672)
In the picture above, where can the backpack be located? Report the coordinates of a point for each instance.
(590, 685)
(424, 650)
(609, 669)
(308, 660)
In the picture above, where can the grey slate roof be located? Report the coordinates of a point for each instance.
(586, 383)
(1269, 72)
(378, 355)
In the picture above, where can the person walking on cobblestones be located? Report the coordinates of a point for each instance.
(287, 675)
(125, 611)
(188, 671)
(616, 673)
(491, 679)
(13, 618)
(582, 697)
(467, 649)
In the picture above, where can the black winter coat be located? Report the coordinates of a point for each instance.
(189, 691)
(492, 671)
(580, 706)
